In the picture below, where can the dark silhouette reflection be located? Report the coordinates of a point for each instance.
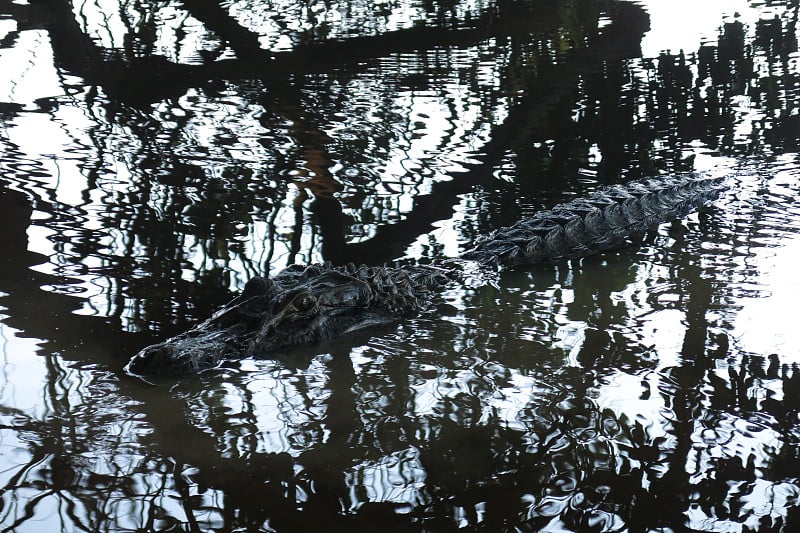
(195, 145)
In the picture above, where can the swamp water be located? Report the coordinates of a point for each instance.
(153, 157)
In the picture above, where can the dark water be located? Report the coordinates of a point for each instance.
(155, 156)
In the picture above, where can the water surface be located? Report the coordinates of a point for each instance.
(156, 156)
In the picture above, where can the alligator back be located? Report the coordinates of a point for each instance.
(607, 219)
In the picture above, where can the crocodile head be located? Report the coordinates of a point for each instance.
(301, 305)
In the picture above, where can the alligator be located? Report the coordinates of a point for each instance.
(308, 304)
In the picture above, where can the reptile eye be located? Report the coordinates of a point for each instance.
(303, 303)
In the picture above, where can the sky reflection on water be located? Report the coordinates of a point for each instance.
(148, 175)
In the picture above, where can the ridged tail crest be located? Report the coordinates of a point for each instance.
(604, 220)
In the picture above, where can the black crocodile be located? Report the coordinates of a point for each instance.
(308, 304)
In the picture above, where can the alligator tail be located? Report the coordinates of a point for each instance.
(605, 220)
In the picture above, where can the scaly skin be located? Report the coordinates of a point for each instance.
(308, 304)
(603, 221)
(300, 305)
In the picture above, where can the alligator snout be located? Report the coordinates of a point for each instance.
(177, 357)
(149, 361)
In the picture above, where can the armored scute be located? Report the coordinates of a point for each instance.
(301, 305)
(308, 304)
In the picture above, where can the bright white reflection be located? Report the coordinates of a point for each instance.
(769, 324)
(27, 69)
(175, 34)
(23, 374)
(677, 25)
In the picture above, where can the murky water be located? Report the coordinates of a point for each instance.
(155, 156)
